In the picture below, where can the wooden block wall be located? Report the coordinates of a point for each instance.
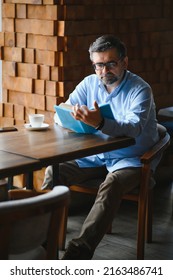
(44, 48)
(30, 50)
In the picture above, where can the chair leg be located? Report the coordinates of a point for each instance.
(63, 229)
(141, 229)
(149, 216)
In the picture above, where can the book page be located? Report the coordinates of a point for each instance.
(65, 106)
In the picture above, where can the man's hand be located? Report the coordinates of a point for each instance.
(90, 117)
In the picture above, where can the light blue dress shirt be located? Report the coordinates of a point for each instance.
(134, 112)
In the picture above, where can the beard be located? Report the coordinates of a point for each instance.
(110, 78)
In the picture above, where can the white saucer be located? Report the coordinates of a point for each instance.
(43, 127)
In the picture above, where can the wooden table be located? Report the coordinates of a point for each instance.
(56, 144)
(12, 164)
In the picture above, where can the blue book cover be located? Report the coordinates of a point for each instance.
(67, 120)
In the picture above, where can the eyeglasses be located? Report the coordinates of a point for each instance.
(109, 65)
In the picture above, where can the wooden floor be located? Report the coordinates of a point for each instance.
(121, 244)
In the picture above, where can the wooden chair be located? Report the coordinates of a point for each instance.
(30, 224)
(142, 195)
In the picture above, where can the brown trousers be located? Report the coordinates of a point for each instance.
(108, 198)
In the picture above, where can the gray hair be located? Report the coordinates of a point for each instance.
(107, 42)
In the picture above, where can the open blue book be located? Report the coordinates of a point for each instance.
(67, 121)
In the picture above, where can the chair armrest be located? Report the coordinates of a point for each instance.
(157, 149)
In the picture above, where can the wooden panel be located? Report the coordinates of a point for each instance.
(46, 57)
(47, 12)
(29, 55)
(10, 39)
(8, 25)
(19, 112)
(8, 10)
(18, 83)
(1, 109)
(52, 88)
(49, 43)
(39, 86)
(1, 38)
(36, 101)
(21, 40)
(8, 110)
(44, 72)
(51, 101)
(19, 122)
(5, 121)
(27, 70)
(17, 97)
(56, 73)
(13, 54)
(25, 1)
(21, 11)
(9, 68)
(42, 27)
(5, 95)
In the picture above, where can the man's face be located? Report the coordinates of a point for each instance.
(109, 67)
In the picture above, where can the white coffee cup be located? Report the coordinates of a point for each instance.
(36, 120)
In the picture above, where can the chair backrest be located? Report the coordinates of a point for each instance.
(26, 224)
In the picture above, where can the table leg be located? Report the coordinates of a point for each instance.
(3, 190)
(29, 180)
(10, 183)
